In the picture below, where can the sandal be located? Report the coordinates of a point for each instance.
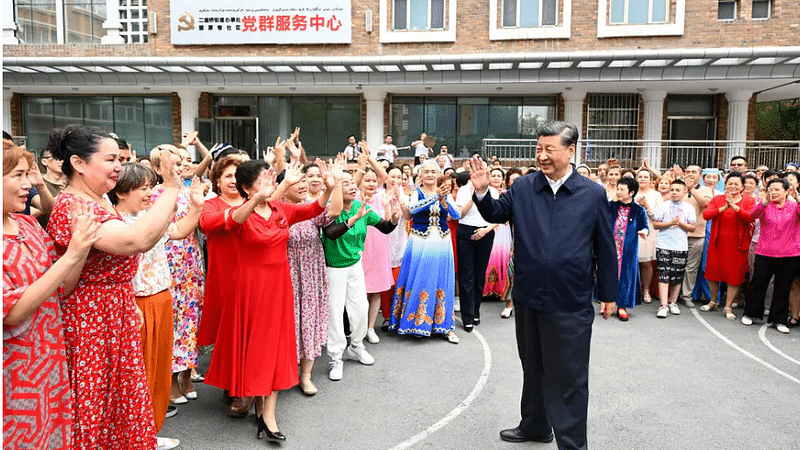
(647, 298)
(167, 443)
(240, 407)
(793, 322)
(729, 314)
(622, 314)
(710, 306)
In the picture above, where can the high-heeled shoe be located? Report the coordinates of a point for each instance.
(507, 313)
(276, 436)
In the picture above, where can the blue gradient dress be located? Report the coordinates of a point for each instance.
(423, 301)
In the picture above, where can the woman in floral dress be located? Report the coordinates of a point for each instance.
(309, 279)
(34, 358)
(188, 283)
(101, 322)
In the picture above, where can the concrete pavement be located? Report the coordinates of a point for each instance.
(654, 384)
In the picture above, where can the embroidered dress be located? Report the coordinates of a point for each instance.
(497, 281)
(310, 286)
(188, 282)
(630, 220)
(423, 301)
(101, 331)
(375, 257)
(37, 404)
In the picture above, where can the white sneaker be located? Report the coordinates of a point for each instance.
(747, 321)
(337, 366)
(166, 443)
(457, 305)
(662, 312)
(372, 337)
(360, 354)
(673, 309)
(782, 328)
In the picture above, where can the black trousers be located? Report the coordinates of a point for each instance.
(554, 351)
(473, 258)
(765, 267)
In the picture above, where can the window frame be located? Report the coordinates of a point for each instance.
(541, 9)
(735, 10)
(769, 10)
(408, 17)
(563, 29)
(389, 35)
(605, 29)
(650, 11)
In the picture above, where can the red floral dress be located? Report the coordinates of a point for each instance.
(113, 409)
(37, 406)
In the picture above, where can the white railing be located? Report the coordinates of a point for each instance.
(660, 153)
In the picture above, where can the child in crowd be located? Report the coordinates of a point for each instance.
(674, 220)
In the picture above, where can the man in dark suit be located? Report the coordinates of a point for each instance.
(560, 220)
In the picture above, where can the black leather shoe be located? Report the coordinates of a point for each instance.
(468, 328)
(515, 435)
(477, 321)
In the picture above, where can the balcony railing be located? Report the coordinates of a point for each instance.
(660, 153)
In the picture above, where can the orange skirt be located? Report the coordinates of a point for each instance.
(157, 339)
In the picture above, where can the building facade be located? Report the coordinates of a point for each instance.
(670, 80)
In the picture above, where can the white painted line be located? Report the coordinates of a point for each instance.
(762, 334)
(487, 365)
(743, 351)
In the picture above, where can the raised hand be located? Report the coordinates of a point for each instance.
(84, 228)
(266, 184)
(294, 152)
(397, 211)
(197, 195)
(169, 169)
(364, 147)
(294, 173)
(337, 166)
(479, 174)
(364, 208)
(764, 197)
(34, 176)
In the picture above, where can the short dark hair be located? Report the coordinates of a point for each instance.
(632, 184)
(782, 181)
(676, 181)
(770, 173)
(308, 166)
(132, 177)
(6, 135)
(512, 171)
(739, 157)
(462, 179)
(121, 143)
(793, 173)
(247, 173)
(735, 174)
(78, 140)
(568, 132)
(218, 168)
(750, 176)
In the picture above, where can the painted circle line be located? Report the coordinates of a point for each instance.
(487, 365)
(762, 334)
(743, 351)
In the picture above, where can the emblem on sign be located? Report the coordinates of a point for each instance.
(187, 21)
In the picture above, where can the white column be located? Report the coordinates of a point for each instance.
(653, 126)
(112, 24)
(573, 113)
(190, 109)
(9, 26)
(7, 109)
(738, 103)
(375, 118)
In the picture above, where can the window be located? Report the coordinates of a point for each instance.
(529, 13)
(611, 120)
(418, 14)
(83, 21)
(631, 12)
(133, 16)
(142, 121)
(463, 122)
(36, 21)
(761, 9)
(726, 10)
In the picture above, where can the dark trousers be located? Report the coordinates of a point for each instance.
(554, 351)
(765, 267)
(473, 258)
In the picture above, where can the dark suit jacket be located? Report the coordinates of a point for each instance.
(554, 237)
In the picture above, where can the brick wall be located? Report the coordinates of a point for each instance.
(702, 30)
(176, 118)
(16, 115)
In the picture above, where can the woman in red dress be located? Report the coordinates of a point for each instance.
(113, 409)
(37, 409)
(256, 354)
(729, 244)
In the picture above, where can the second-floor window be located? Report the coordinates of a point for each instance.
(418, 14)
(529, 13)
(636, 12)
(761, 9)
(726, 10)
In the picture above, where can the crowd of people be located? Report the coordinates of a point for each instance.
(146, 260)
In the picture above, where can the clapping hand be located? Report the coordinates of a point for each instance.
(397, 210)
(363, 209)
(197, 195)
(169, 169)
(764, 197)
(642, 200)
(84, 228)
